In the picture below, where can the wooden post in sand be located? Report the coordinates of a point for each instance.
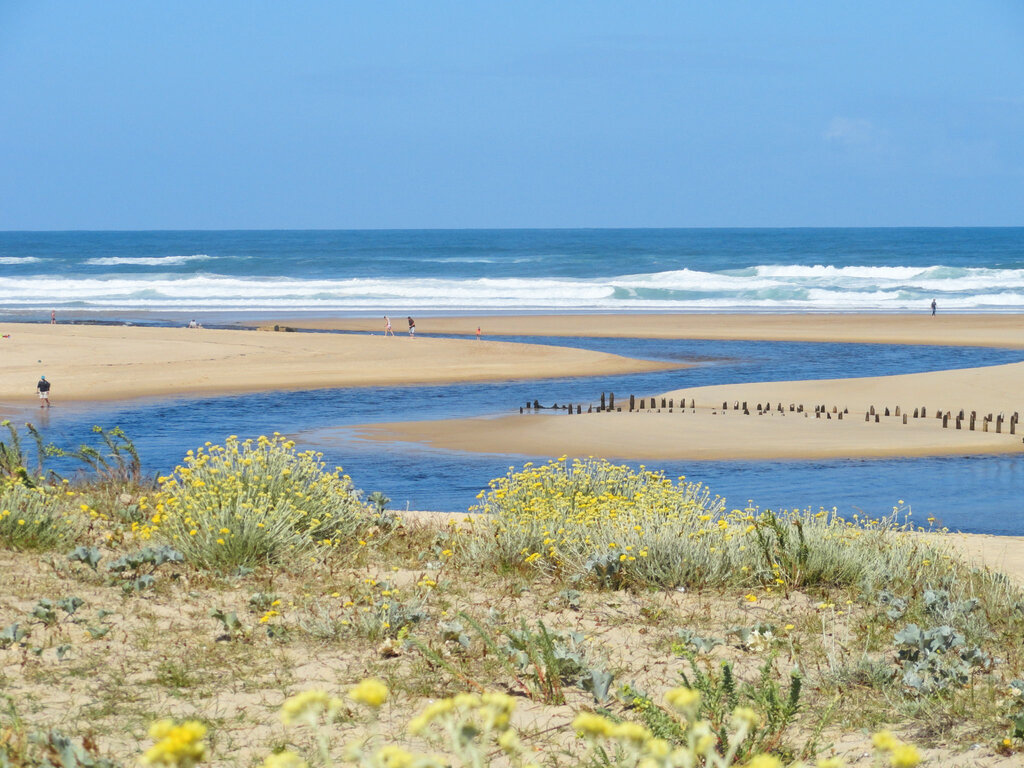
(886, 411)
(897, 412)
(579, 409)
(663, 403)
(904, 418)
(970, 426)
(725, 405)
(632, 403)
(999, 423)
(867, 416)
(959, 422)
(872, 410)
(670, 404)
(601, 407)
(611, 401)
(876, 418)
(924, 412)
(945, 420)
(915, 413)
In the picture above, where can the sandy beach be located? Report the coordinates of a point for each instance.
(985, 330)
(709, 432)
(89, 362)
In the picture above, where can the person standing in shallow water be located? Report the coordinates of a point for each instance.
(387, 326)
(43, 388)
(934, 305)
(412, 328)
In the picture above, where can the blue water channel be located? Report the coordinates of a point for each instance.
(978, 493)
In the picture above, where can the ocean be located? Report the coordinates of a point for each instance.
(351, 272)
(158, 277)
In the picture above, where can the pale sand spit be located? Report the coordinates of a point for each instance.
(713, 434)
(995, 330)
(88, 362)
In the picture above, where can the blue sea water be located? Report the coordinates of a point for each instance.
(512, 270)
(160, 276)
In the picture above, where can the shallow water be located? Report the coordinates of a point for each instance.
(980, 494)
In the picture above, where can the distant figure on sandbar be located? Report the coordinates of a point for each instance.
(43, 388)
(53, 317)
(412, 328)
(387, 326)
(934, 305)
(193, 324)
(478, 333)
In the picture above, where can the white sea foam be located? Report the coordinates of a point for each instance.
(18, 259)
(147, 261)
(817, 288)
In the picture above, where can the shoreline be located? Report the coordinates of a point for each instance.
(93, 363)
(958, 330)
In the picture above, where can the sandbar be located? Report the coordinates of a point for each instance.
(707, 432)
(93, 362)
(985, 330)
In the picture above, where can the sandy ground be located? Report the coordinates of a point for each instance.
(713, 434)
(956, 330)
(86, 362)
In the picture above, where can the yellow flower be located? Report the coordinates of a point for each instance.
(284, 759)
(683, 699)
(746, 716)
(177, 745)
(630, 732)
(371, 692)
(391, 756)
(830, 762)
(884, 741)
(764, 761)
(589, 724)
(904, 756)
(307, 706)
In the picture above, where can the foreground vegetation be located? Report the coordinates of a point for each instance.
(590, 614)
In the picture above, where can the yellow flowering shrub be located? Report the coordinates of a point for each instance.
(255, 502)
(622, 526)
(36, 518)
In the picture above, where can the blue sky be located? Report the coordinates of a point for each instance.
(258, 115)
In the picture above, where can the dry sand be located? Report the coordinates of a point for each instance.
(713, 434)
(996, 330)
(88, 362)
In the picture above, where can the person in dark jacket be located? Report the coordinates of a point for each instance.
(43, 388)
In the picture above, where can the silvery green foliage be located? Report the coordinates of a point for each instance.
(12, 635)
(88, 555)
(691, 640)
(935, 659)
(896, 606)
(133, 566)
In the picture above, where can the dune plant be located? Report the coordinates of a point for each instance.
(35, 519)
(255, 502)
(617, 527)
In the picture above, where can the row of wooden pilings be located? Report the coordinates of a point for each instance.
(607, 404)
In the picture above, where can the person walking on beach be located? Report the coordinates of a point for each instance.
(412, 328)
(53, 317)
(387, 326)
(43, 388)
(478, 333)
(933, 307)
